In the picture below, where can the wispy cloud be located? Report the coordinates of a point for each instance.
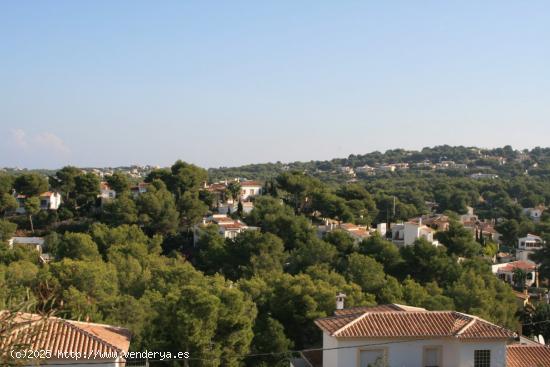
(44, 143)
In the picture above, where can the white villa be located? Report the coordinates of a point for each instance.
(48, 201)
(528, 245)
(250, 189)
(506, 271)
(106, 192)
(228, 227)
(405, 234)
(396, 335)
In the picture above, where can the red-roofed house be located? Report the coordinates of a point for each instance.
(228, 227)
(50, 200)
(70, 343)
(506, 271)
(106, 192)
(250, 189)
(397, 335)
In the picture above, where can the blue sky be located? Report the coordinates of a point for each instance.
(106, 83)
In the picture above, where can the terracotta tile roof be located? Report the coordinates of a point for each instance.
(226, 222)
(250, 183)
(222, 219)
(382, 322)
(217, 187)
(230, 226)
(46, 194)
(354, 229)
(68, 336)
(518, 355)
(520, 264)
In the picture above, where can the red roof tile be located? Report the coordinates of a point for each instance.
(250, 183)
(383, 322)
(68, 336)
(520, 264)
(518, 355)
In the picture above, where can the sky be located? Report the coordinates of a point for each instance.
(223, 83)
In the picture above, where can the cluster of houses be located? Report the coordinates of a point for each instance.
(367, 170)
(392, 167)
(134, 171)
(506, 266)
(224, 204)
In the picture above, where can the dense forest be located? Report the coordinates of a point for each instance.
(132, 261)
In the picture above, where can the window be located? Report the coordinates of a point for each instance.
(372, 358)
(432, 356)
(482, 358)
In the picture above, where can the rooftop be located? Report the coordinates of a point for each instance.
(397, 321)
(519, 355)
(250, 183)
(524, 265)
(68, 336)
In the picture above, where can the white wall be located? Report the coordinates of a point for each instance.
(248, 191)
(409, 353)
(330, 357)
(498, 353)
(411, 233)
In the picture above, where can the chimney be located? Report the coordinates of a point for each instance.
(340, 297)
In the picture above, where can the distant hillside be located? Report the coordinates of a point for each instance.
(503, 161)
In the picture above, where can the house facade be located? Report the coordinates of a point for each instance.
(50, 200)
(106, 192)
(250, 189)
(227, 227)
(528, 245)
(405, 234)
(507, 271)
(396, 335)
